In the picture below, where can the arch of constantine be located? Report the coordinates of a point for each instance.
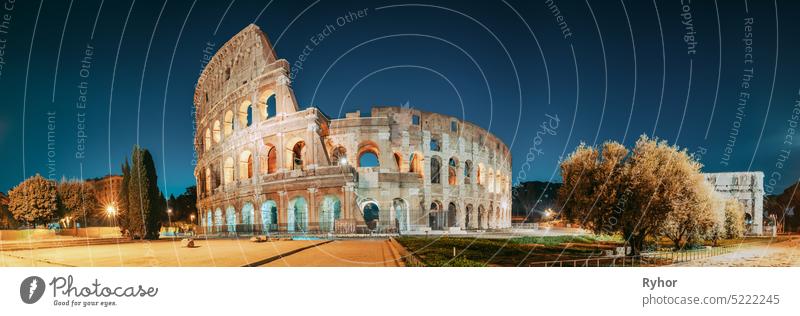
(265, 165)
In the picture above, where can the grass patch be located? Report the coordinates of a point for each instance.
(558, 240)
(477, 252)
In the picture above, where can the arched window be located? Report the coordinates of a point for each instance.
(207, 139)
(217, 132)
(398, 162)
(208, 179)
(245, 113)
(368, 159)
(478, 175)
(272, 160)
(435, 145)
(227, 170)
(436, 169)
(452, 166)
(414, 163)
(266, 104)
(339, 156)
(228, 123)
(297, 155)
(468, 172)
(245, 165)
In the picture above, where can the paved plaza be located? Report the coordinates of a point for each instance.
(780, 254)
(344, 253)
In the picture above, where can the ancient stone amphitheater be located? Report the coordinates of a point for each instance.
(264, 165)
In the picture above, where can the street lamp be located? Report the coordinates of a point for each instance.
(111, 210)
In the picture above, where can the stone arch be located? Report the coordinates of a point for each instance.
(398, 161)
(207, 139)
(227, 170)
(209, 221)
(365, 150)
(436, 169)
(245, 114)
(216, 132)
(230, 218)
(330, 210)
(297, 154)
(434, 215)
(468, 171)
(245, 165)
(469, 215)
(339, 156)
(452, 171)
(297, 215)
(415, 163)
(452, 215)
(269, 215)
(481, 217)
(479, 175)
(371, 211)
(401, 216)
(227, 123)
(248, 216)
(208, 182)
(219, 220)
(266, 104)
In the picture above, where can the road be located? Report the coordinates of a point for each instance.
(781, 254)
(344, 253)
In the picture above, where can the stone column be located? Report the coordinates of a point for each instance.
(313, 217)
(282, 211)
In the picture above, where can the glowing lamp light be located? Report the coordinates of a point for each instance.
(111, 210)
(169, 210)
(343, 161)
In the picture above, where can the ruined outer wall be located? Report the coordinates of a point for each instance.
(745, 187)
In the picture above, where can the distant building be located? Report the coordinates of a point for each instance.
(107, 189)
(748, 189)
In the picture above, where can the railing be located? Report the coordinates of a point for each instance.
(339, 229)
(660, 258)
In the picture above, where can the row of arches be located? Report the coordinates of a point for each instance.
(266, 218)
(244, 116)
(441, 218)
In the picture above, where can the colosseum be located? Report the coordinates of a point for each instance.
(264, 165)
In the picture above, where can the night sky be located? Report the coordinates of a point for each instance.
(609, 71)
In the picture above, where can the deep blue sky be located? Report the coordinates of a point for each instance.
(144, 68)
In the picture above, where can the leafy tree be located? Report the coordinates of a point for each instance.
(734, 219)
(634, 194)
(77, 200)
(145, 206)
(695, 217)
(34, 201)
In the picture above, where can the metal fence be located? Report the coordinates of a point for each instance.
(651, 259)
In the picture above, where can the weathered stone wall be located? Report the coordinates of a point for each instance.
(299, 170)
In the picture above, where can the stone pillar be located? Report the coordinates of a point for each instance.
(282, 211)
(313, 217)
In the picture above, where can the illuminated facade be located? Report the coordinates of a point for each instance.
(266, 165)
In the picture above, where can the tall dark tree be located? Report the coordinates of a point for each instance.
(146, 205)
(122, 200)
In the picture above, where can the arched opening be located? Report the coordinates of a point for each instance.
(435, 144)
(339, 156)
(436, 166)
(297, 219)
(371, 215)
(207, 139)
(208, 179)
(266, 106)
(435, 220)
(452, 212)
(452, 167)
(297, 155)
(269, 216)
(400, 208)
(478, 175)
(227, 170)
(230, 219)
(248, 216)
(368, 159)
(245, 165)
(398, 162)
(245, 114)
(272, 160)
(216, 132)
(481, 217)
(209, 221)
(468, 222)
(227, 123)
(414, 164)
(368, 153)
(468, 172)
(219, 221)
(329, 212)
